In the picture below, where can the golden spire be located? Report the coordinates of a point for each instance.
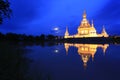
(84, 23)
(92, 24)
(84, 14)
(66, 33)
(104, 33)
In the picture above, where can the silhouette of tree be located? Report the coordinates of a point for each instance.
(1, 36)
(30, 38)
(4, 10)
(42, 37)
(50, 37)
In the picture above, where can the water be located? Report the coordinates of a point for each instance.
(60, 62)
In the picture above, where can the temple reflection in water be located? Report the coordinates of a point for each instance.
(86, 50)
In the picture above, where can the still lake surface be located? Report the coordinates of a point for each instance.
(60, 62)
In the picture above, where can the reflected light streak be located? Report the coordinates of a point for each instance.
(86, 50)
(56, 51)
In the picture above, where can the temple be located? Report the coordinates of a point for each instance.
(86, 50)
(86, 29)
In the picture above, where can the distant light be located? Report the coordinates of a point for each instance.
(56, 29)
(56, 51)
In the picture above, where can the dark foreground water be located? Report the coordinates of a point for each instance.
(60, 62)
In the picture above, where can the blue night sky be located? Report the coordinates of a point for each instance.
(37, 17)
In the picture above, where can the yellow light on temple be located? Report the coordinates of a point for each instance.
(86, 29)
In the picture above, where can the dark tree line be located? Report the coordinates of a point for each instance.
(25, 40)
(5, 10)
(28, 38)
(13, 37)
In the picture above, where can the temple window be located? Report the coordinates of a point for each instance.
(86, 32)
(82, 32)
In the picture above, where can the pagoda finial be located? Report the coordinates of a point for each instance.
(66, 28)
(66, 33)
(92, 23)
(84, 14)
(103, 29)
(104, 33)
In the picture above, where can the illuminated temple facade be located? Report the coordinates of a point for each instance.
(86, 30)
